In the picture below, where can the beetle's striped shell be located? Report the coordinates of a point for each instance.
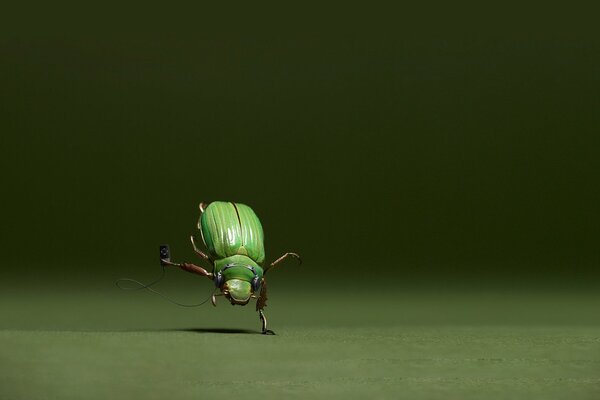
(230, 229)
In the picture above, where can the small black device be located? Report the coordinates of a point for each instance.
(165, 253)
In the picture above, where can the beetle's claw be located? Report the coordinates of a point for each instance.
(297, 257)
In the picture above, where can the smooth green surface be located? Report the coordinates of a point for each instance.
(304, 363)
(426, 344)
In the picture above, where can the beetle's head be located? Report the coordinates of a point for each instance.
(238, 282)
(237, 291)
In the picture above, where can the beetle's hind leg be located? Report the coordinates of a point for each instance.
(263, 319)
(197, 250)
(202, 206)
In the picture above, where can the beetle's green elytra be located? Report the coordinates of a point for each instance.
(233, 236)
(230, 229)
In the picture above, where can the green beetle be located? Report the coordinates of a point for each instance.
(234, 239)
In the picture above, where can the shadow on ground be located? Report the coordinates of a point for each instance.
(215, 330)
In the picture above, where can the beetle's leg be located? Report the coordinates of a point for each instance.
(261, 302)
(283, 257)
(194, 269)
(198, 251)
(202, 206)
(263, 319)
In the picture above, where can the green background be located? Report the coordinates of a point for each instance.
(435, 166)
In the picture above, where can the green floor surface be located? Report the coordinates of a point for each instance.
(105, 344)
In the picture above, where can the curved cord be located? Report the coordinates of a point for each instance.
(148, 287)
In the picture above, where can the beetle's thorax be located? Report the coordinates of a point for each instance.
(236, 260)
(236, 274)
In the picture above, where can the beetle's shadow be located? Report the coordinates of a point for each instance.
(216, 330)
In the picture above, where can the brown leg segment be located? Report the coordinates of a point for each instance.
(283, 257)
(194, 269)
(198, 251)
(202, 206)
(261, 303)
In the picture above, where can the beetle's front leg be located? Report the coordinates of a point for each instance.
(283, 257)
(194, 269)
(263, 319)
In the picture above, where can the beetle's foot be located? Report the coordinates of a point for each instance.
(263, 319)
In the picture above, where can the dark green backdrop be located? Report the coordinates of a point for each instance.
(429, 144)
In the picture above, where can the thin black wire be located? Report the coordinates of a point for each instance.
(148, 287)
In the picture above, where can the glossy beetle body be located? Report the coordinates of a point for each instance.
(230, 229)
(233, 236)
